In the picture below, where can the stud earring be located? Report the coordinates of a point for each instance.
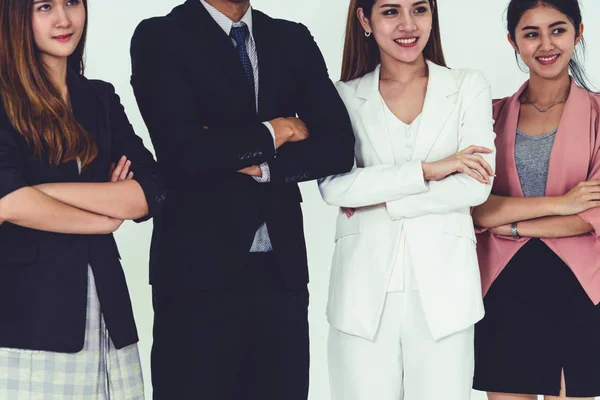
(368, 33)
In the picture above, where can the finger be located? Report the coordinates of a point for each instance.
(125, 170)
(473, 165)
(117, 171)
(474, 175)
(591, 197)
(591, 204)
(482, 165)
(130, 176)
(590, 183)
(477, 149)
(111, 170)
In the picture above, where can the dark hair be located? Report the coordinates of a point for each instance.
(361, 53)
(571, 9)
(33, 104)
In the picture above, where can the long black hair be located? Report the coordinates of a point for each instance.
(571, 9)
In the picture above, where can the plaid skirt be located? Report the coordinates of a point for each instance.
(97, 372)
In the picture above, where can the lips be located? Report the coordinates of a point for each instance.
(63, 38)
(548, 60)
(407, 42)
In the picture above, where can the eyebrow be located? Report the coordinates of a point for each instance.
(525, 28)
(418, 3)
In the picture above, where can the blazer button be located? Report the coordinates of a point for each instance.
(287, 180)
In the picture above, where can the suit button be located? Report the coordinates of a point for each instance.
(287, 180)
(306, 175)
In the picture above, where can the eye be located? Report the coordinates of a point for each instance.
(44, 7)
(391, 11)
(73, 2)
(531, 35)
(421, 10)
(558, 31)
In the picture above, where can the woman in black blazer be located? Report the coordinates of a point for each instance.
(66, 323)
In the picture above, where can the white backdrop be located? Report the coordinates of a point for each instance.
(474, 36)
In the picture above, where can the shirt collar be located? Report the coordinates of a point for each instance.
(224, 22)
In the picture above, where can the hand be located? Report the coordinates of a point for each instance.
(288, 130)
(582, 197)
(465, 161)
(348, 211)
(503, 230)
(120, 172)
(114, 224)
(252, 171)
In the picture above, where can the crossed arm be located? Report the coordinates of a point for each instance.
(74, 208)
(541, 217)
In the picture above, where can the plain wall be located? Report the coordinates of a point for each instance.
(474, 36)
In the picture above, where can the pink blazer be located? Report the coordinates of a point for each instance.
(575, 158)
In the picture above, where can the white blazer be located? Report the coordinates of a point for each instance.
(428, 223)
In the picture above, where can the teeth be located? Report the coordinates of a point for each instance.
(547, 58)
(406, 41)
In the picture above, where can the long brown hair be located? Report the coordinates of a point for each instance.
(32, 103)
(361, 53)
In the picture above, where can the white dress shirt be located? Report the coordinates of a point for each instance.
(262, 242)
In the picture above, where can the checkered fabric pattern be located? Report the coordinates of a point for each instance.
(98, 372)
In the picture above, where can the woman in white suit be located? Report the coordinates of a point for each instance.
(405, 291)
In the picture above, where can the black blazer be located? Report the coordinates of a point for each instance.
(43, 275)
(191, 90)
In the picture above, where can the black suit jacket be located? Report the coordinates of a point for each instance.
(191, 90)
(43, 275)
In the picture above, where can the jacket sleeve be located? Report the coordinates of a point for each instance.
(126, 142)
(368, 186)
(592, 216)
(184, 145)
(11, 164)
(329, 150)
(457, 191)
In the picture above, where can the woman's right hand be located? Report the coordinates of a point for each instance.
(466, 161)
(120, 171)
(582, 197)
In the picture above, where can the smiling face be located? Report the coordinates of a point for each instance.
(546, 39)
(57, 27)
(401, 28)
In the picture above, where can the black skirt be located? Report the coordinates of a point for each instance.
(538, 321)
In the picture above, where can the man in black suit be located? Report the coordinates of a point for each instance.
(219, 86)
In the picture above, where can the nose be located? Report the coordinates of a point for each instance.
(407, 23)
(62, 18)
(546, 43)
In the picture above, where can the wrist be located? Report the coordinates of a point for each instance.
(555, 205)
(426, 167)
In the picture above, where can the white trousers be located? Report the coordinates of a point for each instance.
(403, 362)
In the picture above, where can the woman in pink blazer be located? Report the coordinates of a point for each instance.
(538, 244)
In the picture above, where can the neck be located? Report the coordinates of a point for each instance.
(232, 9)
(56, 68)
(395, 70)
(545, 92)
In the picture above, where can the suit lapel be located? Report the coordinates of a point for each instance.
(507, 120)
(214, 44)
(85, 109)
(373, 117)
(268, 65)
(436, 109)
(572, 138)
